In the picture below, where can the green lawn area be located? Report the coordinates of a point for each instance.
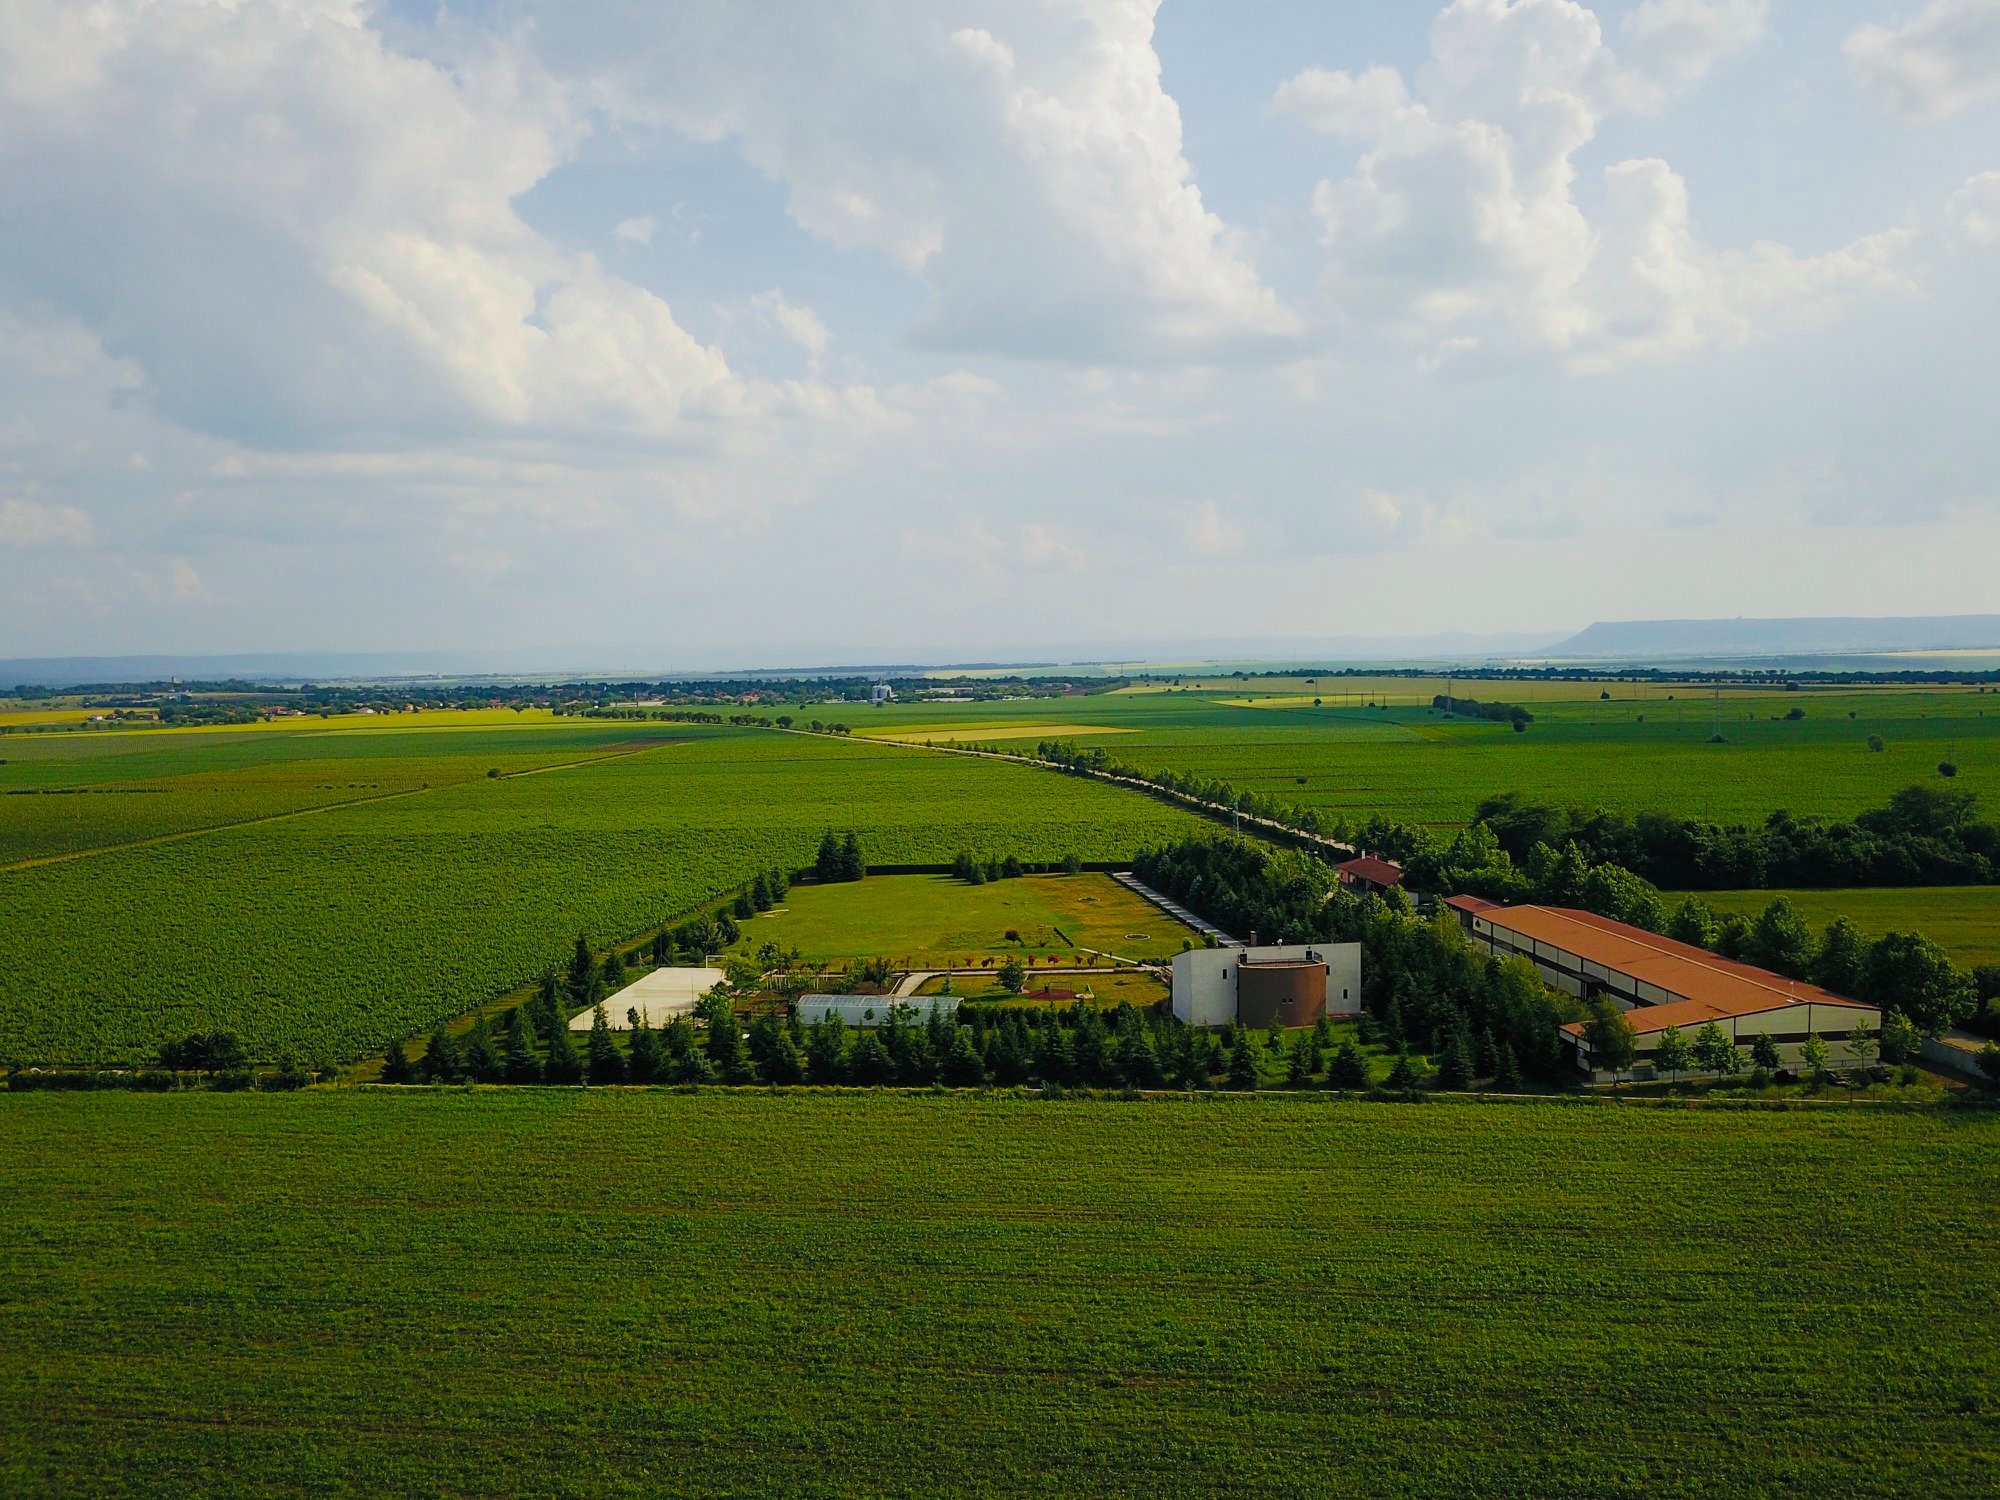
(1964, 920)
(931, 920)
(607, 1293)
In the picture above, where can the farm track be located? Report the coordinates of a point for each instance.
(184, 834)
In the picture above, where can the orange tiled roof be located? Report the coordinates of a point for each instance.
(1705, 985)
(1368, 867)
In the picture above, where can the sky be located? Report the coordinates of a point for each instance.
(752, 332)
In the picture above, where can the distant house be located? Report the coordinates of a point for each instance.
(1659, 983)
(1368, 876)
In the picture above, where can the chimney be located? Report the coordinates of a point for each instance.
(1253, 937)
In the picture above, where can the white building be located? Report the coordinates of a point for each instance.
(1294, 984)
(873, 1010)
(880, 694)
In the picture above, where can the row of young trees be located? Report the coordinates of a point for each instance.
(978, 870)
(1079, 1046)
(767, 890)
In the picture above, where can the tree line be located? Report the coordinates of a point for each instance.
(1923, 835)
(1078, 1046)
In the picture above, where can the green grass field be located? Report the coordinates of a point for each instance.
(329, 934)
(637, 1293)
(935, 921)
(1644, 749)
(1962, 919)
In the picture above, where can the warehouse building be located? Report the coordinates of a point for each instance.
(1660, 983)
(873, 1010)
(1292, 984)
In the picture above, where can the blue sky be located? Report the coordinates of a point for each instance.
(734, 331)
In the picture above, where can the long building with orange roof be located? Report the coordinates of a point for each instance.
(1660, 983)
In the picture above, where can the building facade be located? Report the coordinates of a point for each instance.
(1292, 984)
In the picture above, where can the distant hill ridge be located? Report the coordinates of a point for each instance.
(1828, 636)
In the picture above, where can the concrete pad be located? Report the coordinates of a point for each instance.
(659, 997)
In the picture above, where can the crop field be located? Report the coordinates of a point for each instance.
(566, 1292)
(935, 920)
(1964, 920)
(329, 934)
(1646, 748)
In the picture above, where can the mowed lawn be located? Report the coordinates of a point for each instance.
(932, 920)
(1964, 920)
(600, 1293)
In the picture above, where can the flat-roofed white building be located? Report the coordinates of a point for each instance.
(1294, 984)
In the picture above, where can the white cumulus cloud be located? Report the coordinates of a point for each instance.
(1937, 62)
(1021, 156)
(297, 233)
(1460, 225)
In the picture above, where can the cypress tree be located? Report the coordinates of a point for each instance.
(781, 1062)
(519, 1061)
(1301, 1064)
(562, 1064)
(613, 972)
(1404, 1075)
(606, 1062)
(1455, 1066)
(725, 1039)
(826, 1047)
(481, 1056)
(582, 980)
(441, 1062)
(961, 1066)
(827, 865)
(1349, 1069)
(852, 865)
(1485, 1055)
(1138, 1063)
(1507, 1072)
(1242, 1063)
(647, 1062)
(869, 1063)
(395, 1062)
